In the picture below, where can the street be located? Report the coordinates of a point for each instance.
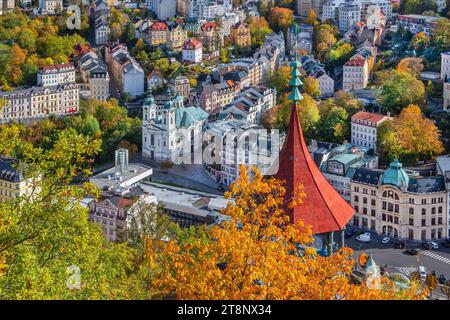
(397, 261)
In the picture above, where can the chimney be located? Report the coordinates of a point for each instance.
(121, 162)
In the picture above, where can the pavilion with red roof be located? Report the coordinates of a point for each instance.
(322, 208)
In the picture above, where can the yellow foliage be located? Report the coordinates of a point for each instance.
(254, 255)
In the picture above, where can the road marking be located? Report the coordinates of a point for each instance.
(435, 256)
(406, 270)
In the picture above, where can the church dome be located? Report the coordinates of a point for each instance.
(395, 175)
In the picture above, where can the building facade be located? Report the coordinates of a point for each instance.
(364, 128)
(240, 35)
(392, 203)
(172, 132)
(192, 51)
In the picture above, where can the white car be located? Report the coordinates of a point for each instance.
(433, 244)
(422, 272)
(385, 240)
(365, 237)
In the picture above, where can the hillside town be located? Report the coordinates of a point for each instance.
(118, 109)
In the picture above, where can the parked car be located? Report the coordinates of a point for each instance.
(433, 273)
(411, 252)
(365, 237)
(385, 240)
(445, 244)
(442, 279)
(430, 245)
(398, 244)
(422, 272)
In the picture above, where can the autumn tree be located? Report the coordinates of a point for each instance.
(311, 86)
(255, 255)
(259, 28)
(411, 65)
(46, 230)
(324, 38)
(410, 137)
(281, 18)
(399, 90)
(280, 79)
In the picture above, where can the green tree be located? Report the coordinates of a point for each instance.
(399, 90)
(45, 231)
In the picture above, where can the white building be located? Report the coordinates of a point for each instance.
(40, 102)
(125, 70)
(192, 51)
(416, 23)
(51, 6)
(250, 104)
(102, 31)
(172, 132)
(164, 9)
(56, 74)
(364, 128)
(232, 143)
(316, 70)
(349, 14)
(400, 205)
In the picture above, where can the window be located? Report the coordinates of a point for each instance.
(373, 212)
(356, 198)
(424, 211)
(383, 217)
(439, 209)
(372, 202)
(384, 205)
(433, 210)
(439, 220)
(411, 210)
(423, 222)
(433, 221)
(411, 221)
(365, 200)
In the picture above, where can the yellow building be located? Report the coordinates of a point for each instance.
(240, 35)
(158, 33)
(12, 183)
(176, 36)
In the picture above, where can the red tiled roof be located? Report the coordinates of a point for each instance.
(209, 25)
(158, 26)
(368, 116)
(192, 44)
(323, 208)
(355, 62)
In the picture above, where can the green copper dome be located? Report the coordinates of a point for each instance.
(395, 175)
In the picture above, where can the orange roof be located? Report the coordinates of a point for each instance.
(323, 208)
(209, 25)
(369, 117)
(192, 44)
(158, 26)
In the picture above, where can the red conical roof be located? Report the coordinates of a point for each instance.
(323, 208)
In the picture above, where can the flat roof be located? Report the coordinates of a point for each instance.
(136, 173)
(186, 200)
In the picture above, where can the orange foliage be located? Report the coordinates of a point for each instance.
(254, 256)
